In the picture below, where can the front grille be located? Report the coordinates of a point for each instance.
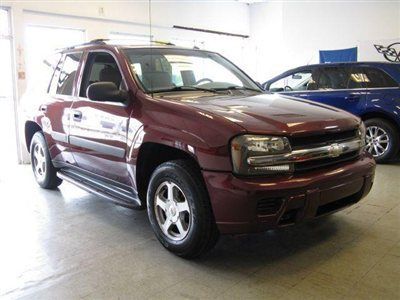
(269, 206)
(320, 163)
(301, 142)
(314, 141)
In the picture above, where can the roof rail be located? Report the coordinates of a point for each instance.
(98, 41)
(104, 42)
(92, 42)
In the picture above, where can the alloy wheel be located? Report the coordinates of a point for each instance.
(39, 161)
(172, 210)
(377, 141)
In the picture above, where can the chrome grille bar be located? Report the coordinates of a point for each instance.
(301, 155)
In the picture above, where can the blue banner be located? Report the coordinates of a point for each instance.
(342, 55)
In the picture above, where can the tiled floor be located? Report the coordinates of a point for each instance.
(68, 244)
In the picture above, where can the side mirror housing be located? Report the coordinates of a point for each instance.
(106, 91)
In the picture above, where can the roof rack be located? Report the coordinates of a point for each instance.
(104, 42)
(92, 42)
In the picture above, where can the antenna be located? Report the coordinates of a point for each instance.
(151, 33)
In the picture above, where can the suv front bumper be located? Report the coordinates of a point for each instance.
(243, 205)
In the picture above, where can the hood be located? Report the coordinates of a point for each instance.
(271, 113)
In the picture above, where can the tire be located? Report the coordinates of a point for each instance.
(43, 169)
(197, 233)
(380, 127)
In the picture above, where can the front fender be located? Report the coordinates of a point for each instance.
(208, 157)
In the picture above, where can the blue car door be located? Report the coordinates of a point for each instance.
(383, 92)
(339, 86)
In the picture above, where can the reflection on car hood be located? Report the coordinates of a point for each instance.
(270, 113)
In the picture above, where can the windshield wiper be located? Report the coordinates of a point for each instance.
(185, 88)
(236, 87)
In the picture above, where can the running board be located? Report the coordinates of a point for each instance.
(115, 194)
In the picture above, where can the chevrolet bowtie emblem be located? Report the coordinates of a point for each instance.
(335, 150)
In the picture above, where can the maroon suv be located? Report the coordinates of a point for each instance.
(189, 136)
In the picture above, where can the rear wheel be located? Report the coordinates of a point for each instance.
(179, 209)
(382, 139)
(43, 169)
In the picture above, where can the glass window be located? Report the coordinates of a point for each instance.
(67, 74)
(161, 70)
(356, 79)
(100, 66)
(331, 78)
(294, 82)
(54, 67)
(375, 78)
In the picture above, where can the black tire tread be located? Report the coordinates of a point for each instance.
(209, 232)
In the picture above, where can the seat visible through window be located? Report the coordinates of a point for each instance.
(102, 67)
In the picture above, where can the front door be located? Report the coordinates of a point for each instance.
(98, 132)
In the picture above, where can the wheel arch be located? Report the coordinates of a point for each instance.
(31, 128)
(150, 156)
(381, 115)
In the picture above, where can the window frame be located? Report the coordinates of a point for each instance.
(60, 66)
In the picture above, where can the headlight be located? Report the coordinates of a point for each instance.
(361, 134)
(248, 152)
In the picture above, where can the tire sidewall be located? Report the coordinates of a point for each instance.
(168, 172)
(393, 139)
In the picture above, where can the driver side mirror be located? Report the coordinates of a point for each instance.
(106, 91)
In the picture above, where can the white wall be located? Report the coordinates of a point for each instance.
(291, 33)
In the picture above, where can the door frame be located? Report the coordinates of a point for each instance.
(14, 81)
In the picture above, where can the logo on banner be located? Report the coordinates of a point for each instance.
(391, 52)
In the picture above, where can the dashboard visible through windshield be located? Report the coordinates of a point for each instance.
(163, 70)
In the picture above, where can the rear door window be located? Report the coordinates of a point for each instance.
(67, 74)
(375, 78)
(356, 78)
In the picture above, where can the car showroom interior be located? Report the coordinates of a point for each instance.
(199, 149)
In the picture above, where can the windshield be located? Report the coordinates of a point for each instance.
(162, 70)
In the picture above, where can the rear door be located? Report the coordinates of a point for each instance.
(339, 86)
(56, 111)
(98, 132)
(383, 90)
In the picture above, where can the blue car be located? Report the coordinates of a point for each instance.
(370, 90)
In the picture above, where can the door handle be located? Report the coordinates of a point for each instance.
(352, 98)
(77, 115)
(43, 108)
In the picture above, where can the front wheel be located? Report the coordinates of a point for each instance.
(43, 169)
(382, 139)
(179, 209)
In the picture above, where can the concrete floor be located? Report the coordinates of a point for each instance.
(68, 244)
